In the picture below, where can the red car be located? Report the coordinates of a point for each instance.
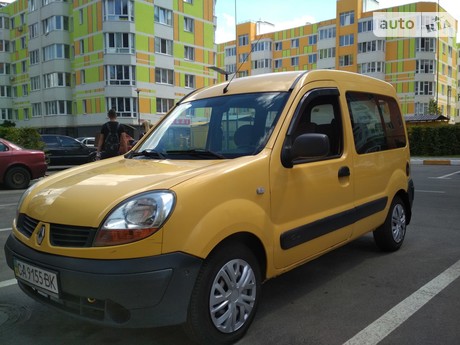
(18, 166)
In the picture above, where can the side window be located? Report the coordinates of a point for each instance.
(377, 123)
(321, 115)
(3, 147)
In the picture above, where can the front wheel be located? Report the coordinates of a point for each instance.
(390, 236)
(225, 297)
(17, 178)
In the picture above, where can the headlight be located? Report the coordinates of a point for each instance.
(136, 218)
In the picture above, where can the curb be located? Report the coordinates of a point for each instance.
(435, 161)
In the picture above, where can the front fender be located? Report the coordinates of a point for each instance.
(234, 216)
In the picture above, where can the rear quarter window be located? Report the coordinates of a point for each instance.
(376, 121)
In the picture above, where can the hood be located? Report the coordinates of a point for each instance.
(82, 196)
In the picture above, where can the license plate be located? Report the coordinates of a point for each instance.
(38, 277)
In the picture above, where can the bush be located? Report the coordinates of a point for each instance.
(441, 140)
(27, 137)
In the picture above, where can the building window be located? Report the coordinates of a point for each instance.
(421, 108)
(295, 43)
(278, 63)
(23, 66)
(58, 108)
(25, 89)
(163, 46)
(23, 42)
(82, 76)
(190, 81)
(80, 16)
(425, 44)
(312, 39)
(36, 109)
(278, 46)
(189, 53)
(6, 114)
(371, 67)
(242, 74)
(26, 114)
(56, 51)
(4, 68)
(33, 30)
(4, 46)
(120, 75)
(230, 68)
(55, 23)
(347, 18)
(327, 53)
(32, 5)
(424, 88)
(5, 91)
(312, 58)
(189, 2)
(263, 63)
(230, 51)
(164, 76)
(327, 33)
(4, 22)
(346, 40)
(425, 66)
(164, 105)
(346, 60)
(119, 10)
(189, 24)
(56, 79)
(243, 40)
(163, 16)
(366, 26)
(82, 46)
(124, 106)
(261, 46)
(119, 42)
(295, 61)
(371, 46)
(243, 57)
(34, 56)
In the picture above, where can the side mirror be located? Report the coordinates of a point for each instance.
(305, 148)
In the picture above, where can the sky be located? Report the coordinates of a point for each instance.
(285, 14)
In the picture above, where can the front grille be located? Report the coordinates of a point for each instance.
(26, 225)
(60, 235)
(71, 236)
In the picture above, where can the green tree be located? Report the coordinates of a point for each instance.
(433, 108)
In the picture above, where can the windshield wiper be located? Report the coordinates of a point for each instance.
(151, 153)
(198, 152)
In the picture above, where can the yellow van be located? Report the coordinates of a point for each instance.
(239, 183)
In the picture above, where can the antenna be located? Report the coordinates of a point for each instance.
(225, 90)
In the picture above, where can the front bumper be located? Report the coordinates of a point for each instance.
(144, 292)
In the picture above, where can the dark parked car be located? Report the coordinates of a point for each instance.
(18, 166)
(64, 150)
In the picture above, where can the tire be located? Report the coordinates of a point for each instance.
(225, 297)
(390, 236)
(17, 178)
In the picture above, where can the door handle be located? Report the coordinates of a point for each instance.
(344, 171)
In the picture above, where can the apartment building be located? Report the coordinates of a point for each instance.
(420, 69)
(64, 64)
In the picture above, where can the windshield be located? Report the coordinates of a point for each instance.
(216, 128)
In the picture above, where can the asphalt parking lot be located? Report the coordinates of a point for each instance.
(354, 295)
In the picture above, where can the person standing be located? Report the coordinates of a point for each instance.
(112, 139)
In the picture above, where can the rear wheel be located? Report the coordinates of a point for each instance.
(225, 296)
(390, 236)
(17, 178)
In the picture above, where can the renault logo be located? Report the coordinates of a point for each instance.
(41, 235)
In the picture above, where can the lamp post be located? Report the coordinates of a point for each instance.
(220, 71)
(138, 110)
